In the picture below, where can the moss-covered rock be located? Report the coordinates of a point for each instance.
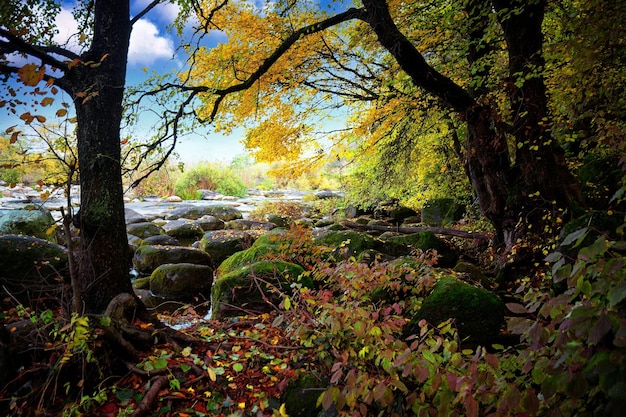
(245, 224)
(147, 258)
(427, 241)
(221, 244)
(183, 281)
(478, 314)
(30, 220)
(300, 397)
(265, 244)
(141, 283)
(441, 211)
(28, 262)
(345, 243)
(183, 229)
(279, 220)
(473, 273)
(144, 229)
(250, 288)
(163, 240)
(221, 211)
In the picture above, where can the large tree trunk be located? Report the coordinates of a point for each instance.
(540, 178)
(506, 189)
(103, 267)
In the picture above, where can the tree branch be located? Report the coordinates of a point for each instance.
(16, 44)
(417, 229)
(349, 14)
(145, 11)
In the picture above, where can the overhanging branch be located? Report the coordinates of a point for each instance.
(16, 44)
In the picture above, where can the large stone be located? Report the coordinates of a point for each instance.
(134, 217)
(30, 220)
(478, 314)
(148, 258)
(254, 288)
(245, 224)
(259, 250)
(344, 244)
(208, 222)
(221, 211)
(183, 228)
(28, 261)
(221, 244)
(144, 229)
(441, 211)
(182, 281)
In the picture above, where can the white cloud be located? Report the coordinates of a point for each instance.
(68, 30)
(147, 46)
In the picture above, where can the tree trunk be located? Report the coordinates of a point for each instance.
(506, 189)
(103, 266)
(540, 177)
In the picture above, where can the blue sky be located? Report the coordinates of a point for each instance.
(152, 48)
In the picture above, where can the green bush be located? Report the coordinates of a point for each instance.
(209, 177)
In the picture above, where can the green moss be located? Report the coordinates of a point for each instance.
(300, 397)
(478, 313)
(268, 243)
(181, 281)
(346, 243)
(237, 288)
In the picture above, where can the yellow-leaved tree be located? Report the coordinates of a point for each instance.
(468, 72)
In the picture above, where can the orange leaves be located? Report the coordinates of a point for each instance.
(28, 118)
(31, 74)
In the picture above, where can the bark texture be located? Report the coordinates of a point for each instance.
(98, 90)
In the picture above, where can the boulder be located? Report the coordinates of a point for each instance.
(133, 217)
(478, 314)
(147, 258)
(29, 262)
(327, 194)
(210, 195)
(251, 288)
(279, 220)
(259, 250)
(221, 211)
(208, 222)
(441, 211)
(144, 229)
(30, 220)
(244, 224)
(181, 281)
(221, 244)
(345, 243)
(163, 240)
(426, 241)
(183, 229)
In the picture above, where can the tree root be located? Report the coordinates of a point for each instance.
(146, 404)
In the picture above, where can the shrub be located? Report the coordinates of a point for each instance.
(209, 177)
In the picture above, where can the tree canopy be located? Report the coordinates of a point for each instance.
(472, 76)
